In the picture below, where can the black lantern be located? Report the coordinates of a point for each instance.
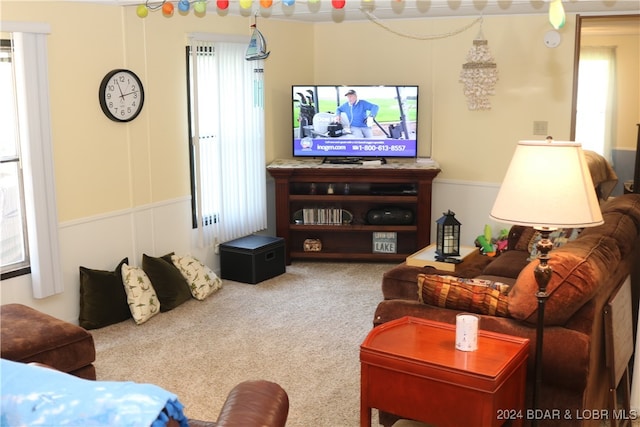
(448, 235)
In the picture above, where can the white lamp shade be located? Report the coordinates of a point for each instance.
(548, 184)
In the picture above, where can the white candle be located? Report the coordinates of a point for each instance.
(467, 332)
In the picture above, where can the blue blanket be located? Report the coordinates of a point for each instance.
(37, 396)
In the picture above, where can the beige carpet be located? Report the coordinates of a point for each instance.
(301, 329)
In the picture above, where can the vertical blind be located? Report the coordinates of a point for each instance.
(32, 95)
(227, 106)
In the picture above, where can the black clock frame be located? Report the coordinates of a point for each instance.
(103, 101)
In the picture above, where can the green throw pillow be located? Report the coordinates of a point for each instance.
(103, 300)
(171, 287)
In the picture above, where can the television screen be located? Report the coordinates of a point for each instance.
(354, 122)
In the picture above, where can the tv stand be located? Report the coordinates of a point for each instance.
(351, 160)
(331, 202)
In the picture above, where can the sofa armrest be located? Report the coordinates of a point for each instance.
(252, 403)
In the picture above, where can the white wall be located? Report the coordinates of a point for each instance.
(100, 242)
(471, 202)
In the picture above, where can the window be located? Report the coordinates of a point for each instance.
(31, 124)
(14, 255)
(596, 91)
(226, 140)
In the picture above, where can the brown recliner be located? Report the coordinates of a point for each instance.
(30, 336)
(256, 403)
(253, 403)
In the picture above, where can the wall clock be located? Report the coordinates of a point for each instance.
(121, 95)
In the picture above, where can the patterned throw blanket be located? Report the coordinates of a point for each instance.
(37, 396)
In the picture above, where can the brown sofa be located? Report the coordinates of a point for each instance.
(587, 271)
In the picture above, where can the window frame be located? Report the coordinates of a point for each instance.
(22, 267)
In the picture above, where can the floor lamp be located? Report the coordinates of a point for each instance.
(547, 186)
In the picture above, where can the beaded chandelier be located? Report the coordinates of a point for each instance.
(479, 75)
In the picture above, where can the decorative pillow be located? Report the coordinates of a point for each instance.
(103, 300)
(578, 269)
(526, 234)
(170, 286)
(141, 296)
(201, 279)
(472, 295)
(558, 238)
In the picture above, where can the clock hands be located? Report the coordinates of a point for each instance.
(120, 89)
(135, 91)
(122, 95)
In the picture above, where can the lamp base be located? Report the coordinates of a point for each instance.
(542, 273)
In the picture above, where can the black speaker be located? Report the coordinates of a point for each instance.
(390, 216)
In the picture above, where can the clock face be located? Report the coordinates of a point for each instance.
(121, 95)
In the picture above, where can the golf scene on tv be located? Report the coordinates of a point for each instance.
(348, 123)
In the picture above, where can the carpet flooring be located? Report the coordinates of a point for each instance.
(301, 329)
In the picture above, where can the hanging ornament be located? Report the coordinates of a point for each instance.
(479, 75)
(142, 11)
(338, 4)
(167, 9)
(183, 5)
(266, 4)
(222, 4)
(200, 7)
(257, 48)
(556, 14)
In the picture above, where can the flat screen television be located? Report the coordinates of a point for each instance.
(379, 122)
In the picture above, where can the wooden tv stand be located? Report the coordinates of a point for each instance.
(303, 186)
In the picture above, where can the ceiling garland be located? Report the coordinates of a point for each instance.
(200, 6)
(556, 10)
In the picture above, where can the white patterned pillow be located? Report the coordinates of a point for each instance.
(201, 279)
(141, 296)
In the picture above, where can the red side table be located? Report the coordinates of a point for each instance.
(411, 368)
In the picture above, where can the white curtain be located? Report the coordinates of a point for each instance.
(32, 92)
(596, 95)
(228, 141)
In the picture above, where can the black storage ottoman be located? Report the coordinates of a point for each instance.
(252, 259)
